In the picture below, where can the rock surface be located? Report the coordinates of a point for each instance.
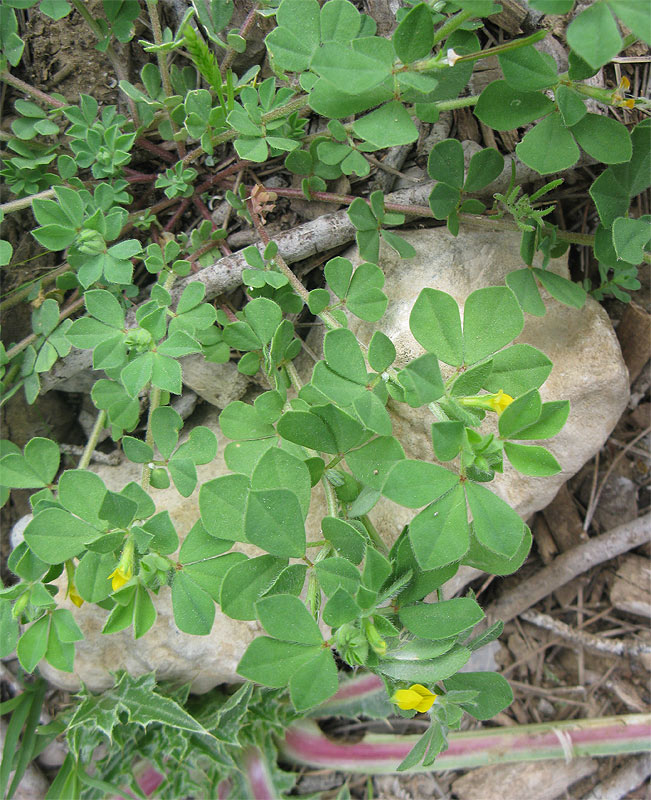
(588, 367)
(542, 780)
(218, 384)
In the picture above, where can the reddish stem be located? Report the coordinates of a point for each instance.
(347, 199)
(156, 149)
(246, 27)
(203, 210)
(32, 90)
(224, 173)
(133, 176)
(171, 223)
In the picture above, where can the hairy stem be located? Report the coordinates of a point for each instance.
(230, 55)
(154, 402)
(451, 25)
(162, 65)
(25, 202)
(381, 753)
(7, 77)
(504, 48)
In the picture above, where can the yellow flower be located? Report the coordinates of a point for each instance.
(74, 595)
(619, 95)
(72, 592)
(124, 570)
(119, 577)
(491, 402)
(500, 401)
(417, 697)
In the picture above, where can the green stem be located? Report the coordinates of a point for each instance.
(377, 540)
(459, 102)
(161, 57)
(11, 374)
(154, 402)
(451, 25)
(158, 40)
(98, 427)
(516, 44)
(331, 498)
(293, 376)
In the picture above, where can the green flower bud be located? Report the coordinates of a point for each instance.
(351, 644)
(159, 478)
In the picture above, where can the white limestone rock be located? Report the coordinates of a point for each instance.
(218, 384)
(588, 367)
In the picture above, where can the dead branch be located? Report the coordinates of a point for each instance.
(568, 565)
(615, 647)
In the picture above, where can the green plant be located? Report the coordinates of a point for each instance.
(335, 431)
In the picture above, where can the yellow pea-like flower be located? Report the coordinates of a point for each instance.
(491, 402)
(500, 401)
(417, 697)
(119, 577)
(124, 570)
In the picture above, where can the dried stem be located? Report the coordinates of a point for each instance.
(298, 287)
(615, 647)
(19, 294)
(594, 499)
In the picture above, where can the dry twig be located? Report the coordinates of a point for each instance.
(615, 647)
(568, 565)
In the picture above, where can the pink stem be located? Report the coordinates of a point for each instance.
(306, 744)
(258, 776)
